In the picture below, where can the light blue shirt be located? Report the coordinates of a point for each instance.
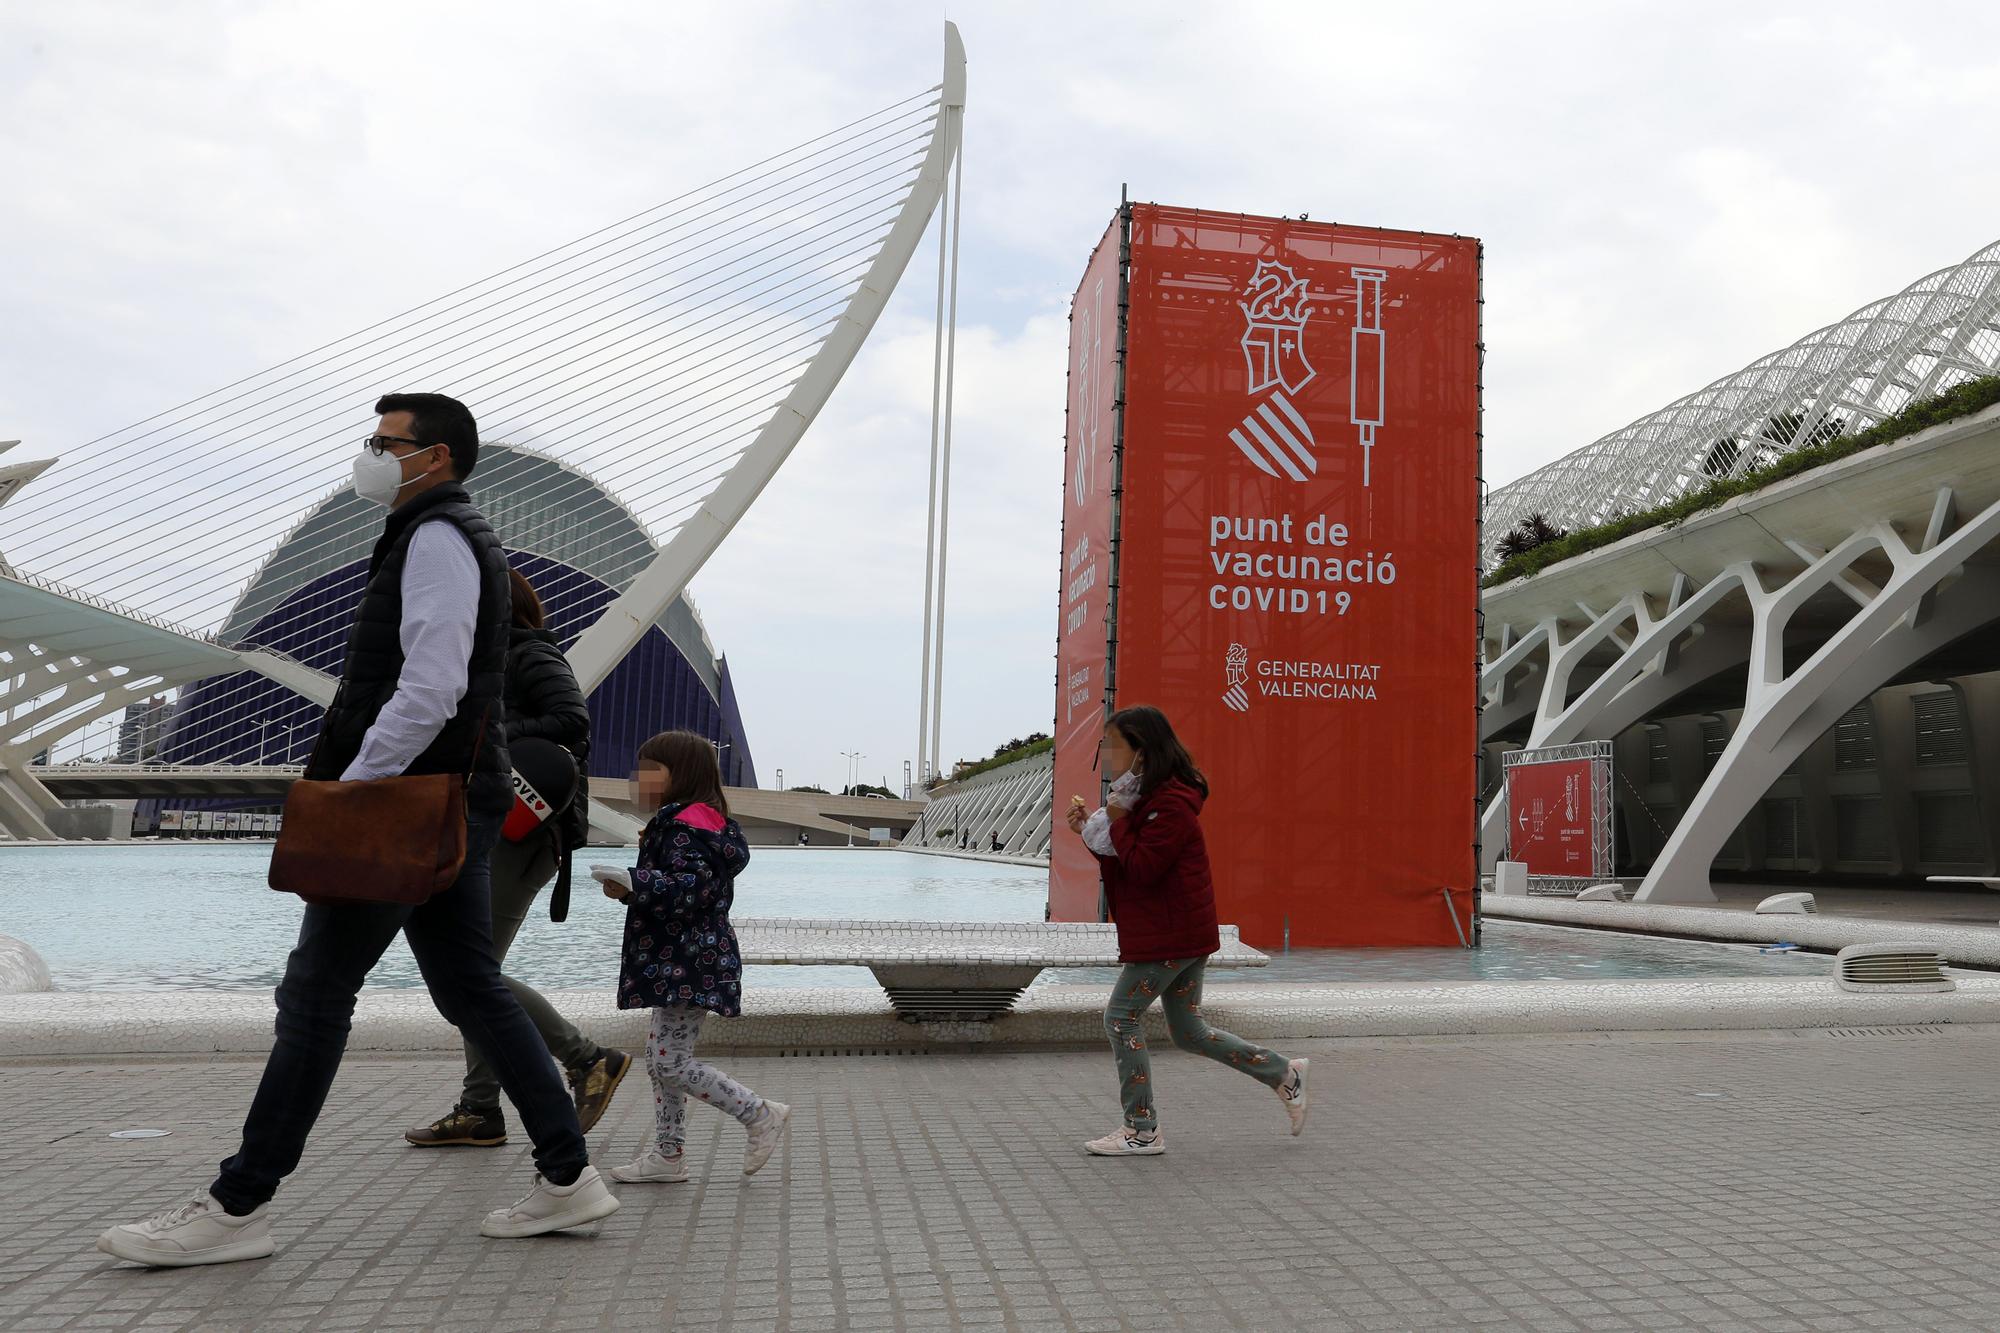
(440, 612)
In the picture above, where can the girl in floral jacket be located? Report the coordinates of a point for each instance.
(680, 957)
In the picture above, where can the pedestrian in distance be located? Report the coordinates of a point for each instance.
(680, 957)
(544, 703)
(420, 693)
(1147, 840)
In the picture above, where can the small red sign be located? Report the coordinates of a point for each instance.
(1550, 825)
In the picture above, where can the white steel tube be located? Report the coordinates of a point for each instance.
(944, 478)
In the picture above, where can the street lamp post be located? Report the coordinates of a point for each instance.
(854, 758)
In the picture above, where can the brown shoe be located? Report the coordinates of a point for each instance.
(464, 1127)
(595, 1084)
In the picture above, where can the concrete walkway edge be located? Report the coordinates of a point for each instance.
(1969, 946)
(811, 1021)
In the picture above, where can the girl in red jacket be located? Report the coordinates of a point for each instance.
(1157, 882)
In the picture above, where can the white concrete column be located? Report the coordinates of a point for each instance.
(1784, 715)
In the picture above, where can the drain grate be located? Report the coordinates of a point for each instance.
(1908, 1030)
(1891, 967)
(824, 1052)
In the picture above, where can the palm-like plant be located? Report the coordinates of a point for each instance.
(1532, 531)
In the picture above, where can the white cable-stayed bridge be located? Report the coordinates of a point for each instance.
(637, 388)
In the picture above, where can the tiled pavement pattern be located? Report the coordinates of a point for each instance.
(1765, 1182)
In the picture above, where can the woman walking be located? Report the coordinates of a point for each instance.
(544, 702)
(680, 958)
(1148, 840)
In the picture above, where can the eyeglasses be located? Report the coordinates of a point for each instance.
(379, 444)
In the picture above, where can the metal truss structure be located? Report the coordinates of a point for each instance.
(1941, 330)
(1600, 757)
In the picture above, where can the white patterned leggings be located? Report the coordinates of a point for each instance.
(677, 1075)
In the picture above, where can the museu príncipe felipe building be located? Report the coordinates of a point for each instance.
(1800, 678)
(573, 541)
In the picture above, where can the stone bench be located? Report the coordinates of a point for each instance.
(950, 970)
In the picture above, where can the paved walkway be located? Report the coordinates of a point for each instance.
(1782, 1181)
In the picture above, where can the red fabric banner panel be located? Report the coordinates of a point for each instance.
(1550, 824)
(1081, 639)
(1297, 562)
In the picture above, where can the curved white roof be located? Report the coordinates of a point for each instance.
(537, 503)
(1941, 330)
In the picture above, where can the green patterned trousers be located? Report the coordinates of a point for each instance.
(1176, 984)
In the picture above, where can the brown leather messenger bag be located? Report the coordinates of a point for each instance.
(385, 840)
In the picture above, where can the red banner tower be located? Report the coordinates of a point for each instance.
(1271, 531)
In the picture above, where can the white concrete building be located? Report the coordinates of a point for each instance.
(1802, 681)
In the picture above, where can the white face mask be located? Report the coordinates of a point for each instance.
(379, 478)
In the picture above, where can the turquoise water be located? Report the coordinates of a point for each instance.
(198, 916)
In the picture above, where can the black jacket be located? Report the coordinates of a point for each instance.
(374, 658)
(544, 701)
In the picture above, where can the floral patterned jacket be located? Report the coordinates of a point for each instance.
(679, 949)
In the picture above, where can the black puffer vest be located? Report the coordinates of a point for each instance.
(375, 658)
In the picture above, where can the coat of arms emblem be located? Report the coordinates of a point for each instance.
(1274, 434)
(1277, 309)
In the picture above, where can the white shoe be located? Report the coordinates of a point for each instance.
(765, 1136)
(1128, 1142)
(1292, 1092)
(548, 1208)
(200, 1231)
(652, 1167)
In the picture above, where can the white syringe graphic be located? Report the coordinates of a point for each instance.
(1367, 362)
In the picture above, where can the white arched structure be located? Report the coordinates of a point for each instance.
(625, 620)
(1942, 329)
(1817, 592)
(678, 355)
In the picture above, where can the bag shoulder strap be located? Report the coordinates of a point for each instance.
(559, 899)
(478, 741)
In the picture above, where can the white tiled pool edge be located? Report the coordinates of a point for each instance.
(233, 1023)
(1970, 946)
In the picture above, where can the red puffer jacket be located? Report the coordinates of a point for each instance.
(1158, 885)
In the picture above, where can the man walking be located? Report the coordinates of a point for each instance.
(420, 692)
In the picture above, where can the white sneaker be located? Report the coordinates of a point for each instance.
(548, 1208)
(200, 1231)
(765, 1136)
(652, 1167)
(1128, 1142)
(1292, 1092)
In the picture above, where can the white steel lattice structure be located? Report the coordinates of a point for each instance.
(1941, 330)
(1783, 610)
(673, 360)
(1013, 803)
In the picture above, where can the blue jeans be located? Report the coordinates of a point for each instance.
(451, 936)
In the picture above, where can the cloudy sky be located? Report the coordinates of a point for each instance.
(198, 190)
